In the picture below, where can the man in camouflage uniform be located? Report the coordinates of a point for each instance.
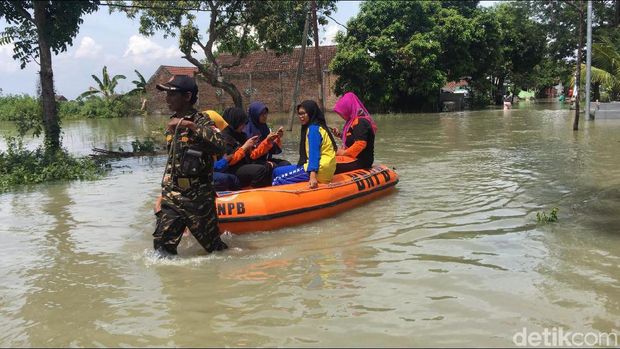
(188, 197)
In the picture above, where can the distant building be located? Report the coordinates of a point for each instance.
(60, 98)
(261, 76)
(454, 96)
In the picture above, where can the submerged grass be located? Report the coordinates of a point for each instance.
(543, 217)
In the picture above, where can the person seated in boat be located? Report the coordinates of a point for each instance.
(358, 134)
(241, 151)
(257, 126)
(317, 150)
(222, 180)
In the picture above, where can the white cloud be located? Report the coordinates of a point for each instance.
(142, 50)
(7, 63)
(488, 3)
(88, 48)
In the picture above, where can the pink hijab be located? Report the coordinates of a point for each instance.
(349, 107)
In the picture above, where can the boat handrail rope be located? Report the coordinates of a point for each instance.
(297, 191)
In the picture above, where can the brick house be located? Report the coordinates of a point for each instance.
(262, 76)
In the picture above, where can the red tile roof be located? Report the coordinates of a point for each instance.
(265, 61)
(190, 71)
(452, 85)
(268, 61)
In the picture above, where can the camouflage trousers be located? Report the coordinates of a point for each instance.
(194, 210)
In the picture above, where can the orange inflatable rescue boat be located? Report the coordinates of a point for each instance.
(270, 208)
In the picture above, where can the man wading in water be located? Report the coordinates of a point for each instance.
(188, 197)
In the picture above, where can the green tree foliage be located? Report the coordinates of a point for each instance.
(605, 68)
(38, 28)
(560, 23)
(236, 27)
(465, 7)
(522, 47)
(398, 54)
(105, 86)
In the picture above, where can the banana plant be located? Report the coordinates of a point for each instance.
(140, 84)
(105, 85)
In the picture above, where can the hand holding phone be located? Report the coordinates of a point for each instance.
(336, 132)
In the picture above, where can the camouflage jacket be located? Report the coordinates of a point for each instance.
(191, 153)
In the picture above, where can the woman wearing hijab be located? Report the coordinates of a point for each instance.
(358, 134)
(317, 150)
(257, 126)
(222, 180)
(239, 151)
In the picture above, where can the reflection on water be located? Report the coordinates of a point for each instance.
(454, 257)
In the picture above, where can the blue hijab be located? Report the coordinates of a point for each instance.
(255, 127)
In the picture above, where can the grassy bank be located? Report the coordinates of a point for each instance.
(14, 107)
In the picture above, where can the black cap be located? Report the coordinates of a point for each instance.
(181, 83)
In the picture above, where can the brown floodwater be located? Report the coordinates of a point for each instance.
(455, 257)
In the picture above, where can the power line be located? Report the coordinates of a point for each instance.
(330, 17)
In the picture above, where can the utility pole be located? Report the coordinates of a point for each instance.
(317, 56)
(578, 77)
(589, 59)
(300, 69)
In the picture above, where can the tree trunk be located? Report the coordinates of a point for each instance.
(499, 91)
(617, 16)
(300, 69)
(211, 78)
(46, 74)
(317, 56)
(231, 89)
(578, 77)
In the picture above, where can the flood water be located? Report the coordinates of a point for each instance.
(455, 257)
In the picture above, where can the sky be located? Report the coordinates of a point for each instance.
(113, 40)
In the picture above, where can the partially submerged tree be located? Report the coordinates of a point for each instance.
(105, 85)
(38, 28)
(236, 27)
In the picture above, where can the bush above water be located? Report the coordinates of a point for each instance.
(147, 145)
(19, 165)
(543, 217)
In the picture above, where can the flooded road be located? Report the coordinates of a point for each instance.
(455, 257)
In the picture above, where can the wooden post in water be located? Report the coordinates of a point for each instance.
(300, 69)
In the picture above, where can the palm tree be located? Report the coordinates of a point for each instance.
(106, 87)
(605, 67)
